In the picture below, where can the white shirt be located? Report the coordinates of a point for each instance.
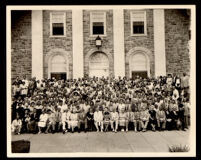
(26, 82)
(16, 123)
(114, 116)
(86, 108)
(63, 107)
(121, 107)
(63, 117)
(43, 118)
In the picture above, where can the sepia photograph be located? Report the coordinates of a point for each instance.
(101, 81)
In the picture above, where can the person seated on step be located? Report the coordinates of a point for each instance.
(64, 120)
(144, 118)
(169, 118)
(82, 119)
(16, 125)
(152, 117)
(34, 118)
(114, 117)
(73, 119)
(123, 119)
(98, 118)
(42, 124)
(106, 119)
(51, 121)
(90, 119)
(161, 119)
(136, 118)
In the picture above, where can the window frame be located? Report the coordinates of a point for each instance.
(64, 24)
(132, 20)
(104, 24)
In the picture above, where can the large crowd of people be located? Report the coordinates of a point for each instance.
(100, 104)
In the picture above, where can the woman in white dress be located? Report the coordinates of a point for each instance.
(98, 119)
(42, 121)
(73, 121)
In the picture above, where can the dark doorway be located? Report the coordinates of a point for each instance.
(142, 74)
(59, 76)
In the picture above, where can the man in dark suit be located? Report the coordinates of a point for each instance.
(33, 121)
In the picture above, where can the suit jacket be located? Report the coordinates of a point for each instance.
(34, 117)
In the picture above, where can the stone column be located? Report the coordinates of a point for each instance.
(37, 44)
(159, 42)
(119, 53)
(77, 30)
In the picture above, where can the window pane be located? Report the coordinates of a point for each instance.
(57, 17)
(58, 29)
(138, 27)
(98, 28)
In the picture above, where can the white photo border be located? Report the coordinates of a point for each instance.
(191, 153)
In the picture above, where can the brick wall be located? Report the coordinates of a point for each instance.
(139, 41)
(20, 44)
(176, 41)
(52, 43)
(89, 42)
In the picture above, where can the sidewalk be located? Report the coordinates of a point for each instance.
(105, 142)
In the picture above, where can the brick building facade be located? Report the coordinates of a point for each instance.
(61, 43)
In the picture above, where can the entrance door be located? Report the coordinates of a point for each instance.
(58, 68)
(58, 76)
(142, 74)
(138, 65)
(99, 65)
